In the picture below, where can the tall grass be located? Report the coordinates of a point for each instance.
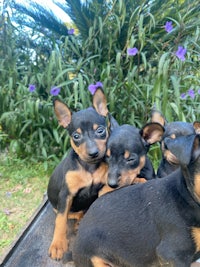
(155, 76)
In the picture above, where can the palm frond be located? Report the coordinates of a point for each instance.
(84, 14)
(43, 16)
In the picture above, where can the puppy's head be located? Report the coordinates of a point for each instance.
(126, 152)
(173, 130)
(187, 151)
(87, 128)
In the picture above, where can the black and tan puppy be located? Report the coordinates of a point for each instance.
(77, 180)
(169, 161)
(126, 154)
(152, 224)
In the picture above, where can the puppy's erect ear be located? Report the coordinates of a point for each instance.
(63, 113)
(184, 147)
(100, 103)
(156, 116)
(112, 123)
(152, 132)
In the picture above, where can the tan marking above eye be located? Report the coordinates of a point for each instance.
(79, 130)
(95, 126)
(126, 154)
(173, 136)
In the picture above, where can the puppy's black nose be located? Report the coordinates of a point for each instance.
(112, 183)
(93, 154)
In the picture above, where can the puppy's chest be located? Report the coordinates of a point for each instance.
(80, 178)
(96, 176)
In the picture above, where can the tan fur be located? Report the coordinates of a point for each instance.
(196, 237)
(126, 154)
(98, 262)
(63, 114)
(197, 185)
(82, 150)
(59, 243)
(171, 158)
(153, 136)
(157, 117)
(81, 178)
(128, 177)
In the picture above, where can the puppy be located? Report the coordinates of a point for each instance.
(126, 154)
(152, 224)
(77, 180)
(169, 161)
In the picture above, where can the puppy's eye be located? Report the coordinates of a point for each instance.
(133, 161)
(130, 160)
(76, 136)
(101, 131)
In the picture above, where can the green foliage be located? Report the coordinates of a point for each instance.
(155, 76)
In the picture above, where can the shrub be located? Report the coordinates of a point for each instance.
(146, 54)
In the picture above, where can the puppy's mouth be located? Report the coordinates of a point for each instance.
(94, 158)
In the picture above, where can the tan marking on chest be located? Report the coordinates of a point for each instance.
(81, 178)
(196, 237)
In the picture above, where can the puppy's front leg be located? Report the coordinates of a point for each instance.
(59, 243)
(105, 189)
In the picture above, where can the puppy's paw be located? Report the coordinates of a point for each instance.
(139, 180)
(58, 248)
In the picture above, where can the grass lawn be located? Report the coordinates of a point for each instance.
(22, 188)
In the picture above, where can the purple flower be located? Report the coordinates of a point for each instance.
(93, 87)
(191, 93)
(132, 51)
(31, 88)
(198, 91)
(71, 31)
(54, 91)
(99, 84)
(168, 26)
(180, 53)
(183, 96)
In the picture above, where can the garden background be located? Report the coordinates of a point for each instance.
(144, 53)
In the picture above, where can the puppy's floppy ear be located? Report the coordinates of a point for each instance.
(63, 113)
(100, 103)
(152, 133)
(183, 147)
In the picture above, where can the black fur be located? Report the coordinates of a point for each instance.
(150, 224)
